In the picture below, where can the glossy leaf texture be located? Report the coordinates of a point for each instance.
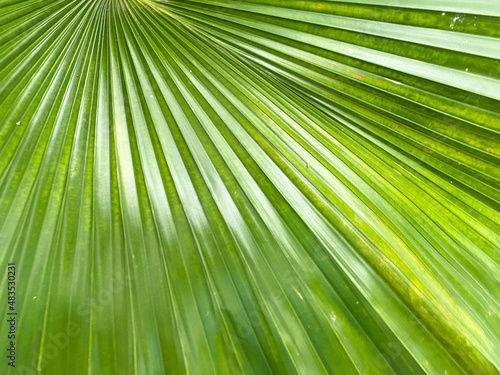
(258, 186)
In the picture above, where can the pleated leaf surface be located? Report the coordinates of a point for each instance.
(257, 186)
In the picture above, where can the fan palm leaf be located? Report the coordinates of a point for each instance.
(252, 186)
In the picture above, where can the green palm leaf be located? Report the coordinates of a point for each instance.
(251, 186)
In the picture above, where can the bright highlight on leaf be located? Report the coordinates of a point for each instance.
(257, 186)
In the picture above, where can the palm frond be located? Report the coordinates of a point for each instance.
(253, 186)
